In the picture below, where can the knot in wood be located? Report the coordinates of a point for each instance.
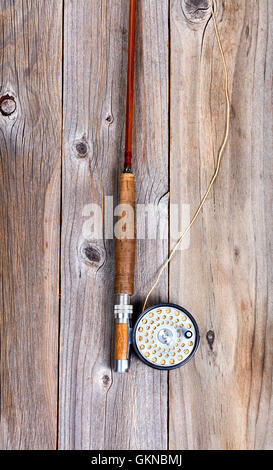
(106, 380)
(7, 105)
(80, 148)
(92, 254)
(195, 11)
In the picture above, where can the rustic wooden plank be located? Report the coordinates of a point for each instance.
(99, 409)
(221, 400)
(30, 145)
(138, 403)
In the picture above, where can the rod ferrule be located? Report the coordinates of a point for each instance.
(123, 310)
(122, 365)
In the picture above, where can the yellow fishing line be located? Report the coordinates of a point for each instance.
(220, 154)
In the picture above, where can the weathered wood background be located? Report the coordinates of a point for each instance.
(62, 102)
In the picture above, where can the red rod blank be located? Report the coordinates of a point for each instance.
(130, 86)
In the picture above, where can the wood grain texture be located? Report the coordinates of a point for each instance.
(222, 399)
(95, 404)
(30, 145)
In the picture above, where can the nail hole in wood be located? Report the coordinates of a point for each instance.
(210, 338)
(109, 120)
(236, 253)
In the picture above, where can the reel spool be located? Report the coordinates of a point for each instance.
(165, 336)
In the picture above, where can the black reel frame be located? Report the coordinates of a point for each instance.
(134, 333)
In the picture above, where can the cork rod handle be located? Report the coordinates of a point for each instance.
(121, 341)
(125, 237)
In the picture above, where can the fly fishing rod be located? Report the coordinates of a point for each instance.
(164, 336)
(125, 247)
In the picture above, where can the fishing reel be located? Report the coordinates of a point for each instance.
(164, 336)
